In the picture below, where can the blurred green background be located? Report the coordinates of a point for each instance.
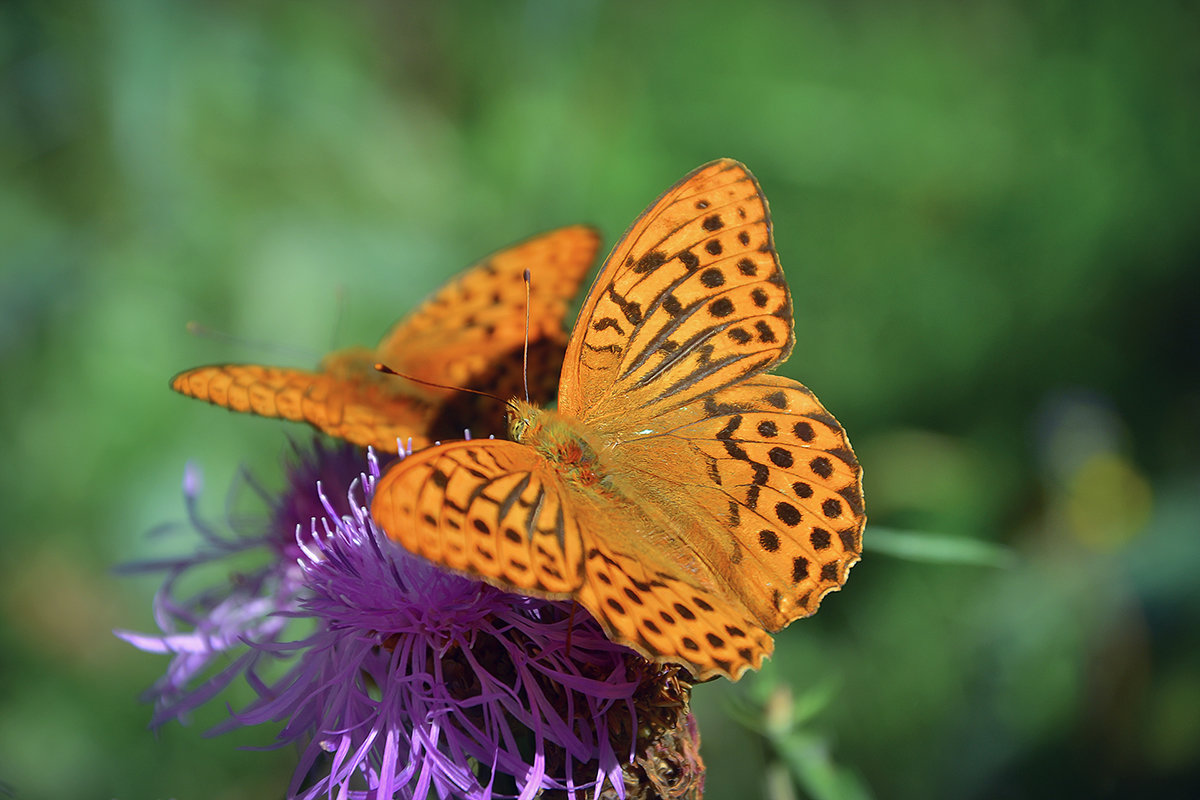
(988, 216)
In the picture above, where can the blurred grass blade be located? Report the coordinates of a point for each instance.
(938, 549)
(807, 757)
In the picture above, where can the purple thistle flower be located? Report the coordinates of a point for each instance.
(214, 624)
(416, 680)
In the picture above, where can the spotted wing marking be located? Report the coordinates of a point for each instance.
(783, 480)
(666, 619)
(470, 334)
(479, 317)
(693, 298)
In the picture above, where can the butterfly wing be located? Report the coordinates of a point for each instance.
(772, 489)
(472, 332)
(457, 336)
(692, 299)
(486, 507)
(361, 414)
(499, 511)
(469, 334)
(643, 602)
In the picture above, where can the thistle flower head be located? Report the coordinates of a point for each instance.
(414, 679)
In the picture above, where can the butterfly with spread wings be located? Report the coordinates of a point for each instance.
(471, 333)
(686, 497)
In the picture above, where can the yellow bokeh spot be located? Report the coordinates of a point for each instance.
(1108, 502)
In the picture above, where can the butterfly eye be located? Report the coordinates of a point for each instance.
(521, 417)
(517, 423)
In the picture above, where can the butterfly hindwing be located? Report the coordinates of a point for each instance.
(488, 508)
(783, 493)
(665, 618)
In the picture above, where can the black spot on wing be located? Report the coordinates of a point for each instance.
(712, 278)
(607, 322)
(777, 399)
(781, 457)
(650, 262)
(853, 499)
(721, 307)
(631, 310)
(821, 466)
(788, 514)
(765, 334)
(804, 432)
(799, 569)
(850, 540)
(768, 540)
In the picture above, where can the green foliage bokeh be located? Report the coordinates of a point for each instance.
(987, 214)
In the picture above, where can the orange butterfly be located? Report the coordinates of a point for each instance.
(471, 333)
(686, 498)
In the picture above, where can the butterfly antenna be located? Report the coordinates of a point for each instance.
(204, 332)
(386, 370)
(525, 355)
(339, 315)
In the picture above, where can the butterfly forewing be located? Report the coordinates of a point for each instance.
(488, 508)
(691, 300)
(465, 327)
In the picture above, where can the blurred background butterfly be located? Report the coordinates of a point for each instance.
(686, 498)
(470, 334)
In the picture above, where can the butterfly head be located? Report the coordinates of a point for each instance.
(523, 420)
